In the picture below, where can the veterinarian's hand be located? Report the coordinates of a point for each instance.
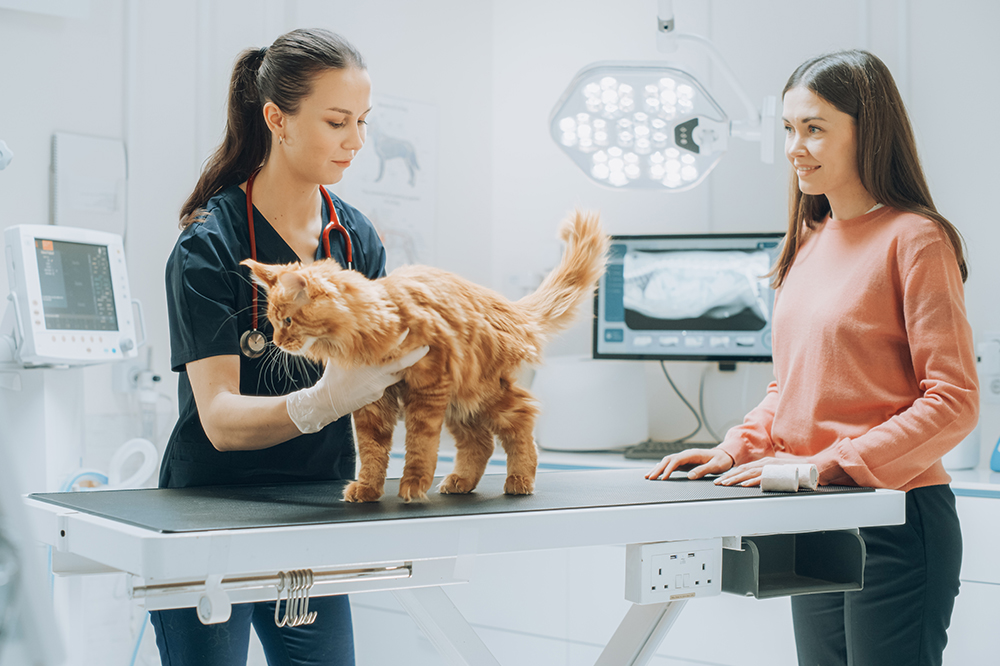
(341, 391)
(699, 461)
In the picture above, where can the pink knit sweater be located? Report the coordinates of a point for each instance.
(875, 374)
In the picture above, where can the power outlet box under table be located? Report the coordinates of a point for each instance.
(673, 570)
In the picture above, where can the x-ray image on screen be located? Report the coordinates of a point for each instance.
(687, 297)
(699, 290)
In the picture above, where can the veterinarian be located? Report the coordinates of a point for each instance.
(248, 412)
(873, 360)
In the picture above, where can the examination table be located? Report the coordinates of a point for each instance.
(208, 548)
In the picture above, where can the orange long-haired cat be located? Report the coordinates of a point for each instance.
(478, 340)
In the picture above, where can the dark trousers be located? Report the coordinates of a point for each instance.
(902, 614)
(184, 641)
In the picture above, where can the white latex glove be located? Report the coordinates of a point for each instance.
(341, 391)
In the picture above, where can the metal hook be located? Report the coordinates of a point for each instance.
(296, 584)
(295, 603)
(307, 617)
(277, 605)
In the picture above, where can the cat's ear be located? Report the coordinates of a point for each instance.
(262, 274)
(295, 284)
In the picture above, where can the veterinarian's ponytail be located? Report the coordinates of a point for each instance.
(283, 74)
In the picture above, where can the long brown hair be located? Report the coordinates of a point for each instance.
(282, 73)
(859, 84)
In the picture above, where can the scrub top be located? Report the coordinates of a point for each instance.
(209, 303)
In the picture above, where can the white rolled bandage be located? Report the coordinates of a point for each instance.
(808, 477)
(779, 478)
(788, 478)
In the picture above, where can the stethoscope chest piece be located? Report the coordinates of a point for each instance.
(253, 343)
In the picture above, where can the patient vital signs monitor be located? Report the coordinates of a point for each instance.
(70, 301)
(687, 297)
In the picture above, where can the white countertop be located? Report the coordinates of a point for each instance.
(979, 482)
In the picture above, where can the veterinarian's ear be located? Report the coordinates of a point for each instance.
(275, 119)
(262, 274)
(295, 284)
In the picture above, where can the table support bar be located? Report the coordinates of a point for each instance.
(433, 611)
(641, 631)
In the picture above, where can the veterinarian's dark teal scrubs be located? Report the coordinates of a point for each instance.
(209, 302)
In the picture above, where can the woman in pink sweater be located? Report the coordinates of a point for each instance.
(874, 366)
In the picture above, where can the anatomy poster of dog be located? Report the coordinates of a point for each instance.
(393, 178)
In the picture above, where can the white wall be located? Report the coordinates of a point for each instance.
(954, 55)
(436, 52)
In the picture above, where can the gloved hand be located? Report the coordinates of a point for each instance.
(341, 391)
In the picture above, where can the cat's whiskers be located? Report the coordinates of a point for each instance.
(295, 364)
(286, 358)
(280, 364)
(267, 365)
(234, 314)
(307, 368)
(286, 363)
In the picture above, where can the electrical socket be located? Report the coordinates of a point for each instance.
(988, 351)
(671, 570)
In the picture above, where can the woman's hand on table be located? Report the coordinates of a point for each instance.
(698, 462)
(748, 474)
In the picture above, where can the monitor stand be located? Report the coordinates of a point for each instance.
(42, 413)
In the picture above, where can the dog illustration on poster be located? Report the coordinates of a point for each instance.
(388, 148)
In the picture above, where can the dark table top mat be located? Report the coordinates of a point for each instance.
(256, 506)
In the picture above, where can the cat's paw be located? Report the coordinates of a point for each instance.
(519, 485)
(454, 484)
(359, 492)
(412, 489)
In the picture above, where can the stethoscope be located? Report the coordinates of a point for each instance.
(252, 342)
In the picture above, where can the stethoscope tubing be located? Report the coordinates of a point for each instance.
(250, 349)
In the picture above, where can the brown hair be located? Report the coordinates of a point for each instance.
(282, 73)
(859, 84)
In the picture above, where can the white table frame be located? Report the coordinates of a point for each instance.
(415, 557)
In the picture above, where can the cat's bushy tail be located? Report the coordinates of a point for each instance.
(555, 304)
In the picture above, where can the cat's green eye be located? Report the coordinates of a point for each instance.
(288, 321)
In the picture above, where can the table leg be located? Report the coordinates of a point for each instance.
(641, 631)
(444, 625)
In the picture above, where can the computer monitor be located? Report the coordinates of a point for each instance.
(70, 302)
(687, 297)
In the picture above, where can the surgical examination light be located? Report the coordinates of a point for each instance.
(652, 125)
